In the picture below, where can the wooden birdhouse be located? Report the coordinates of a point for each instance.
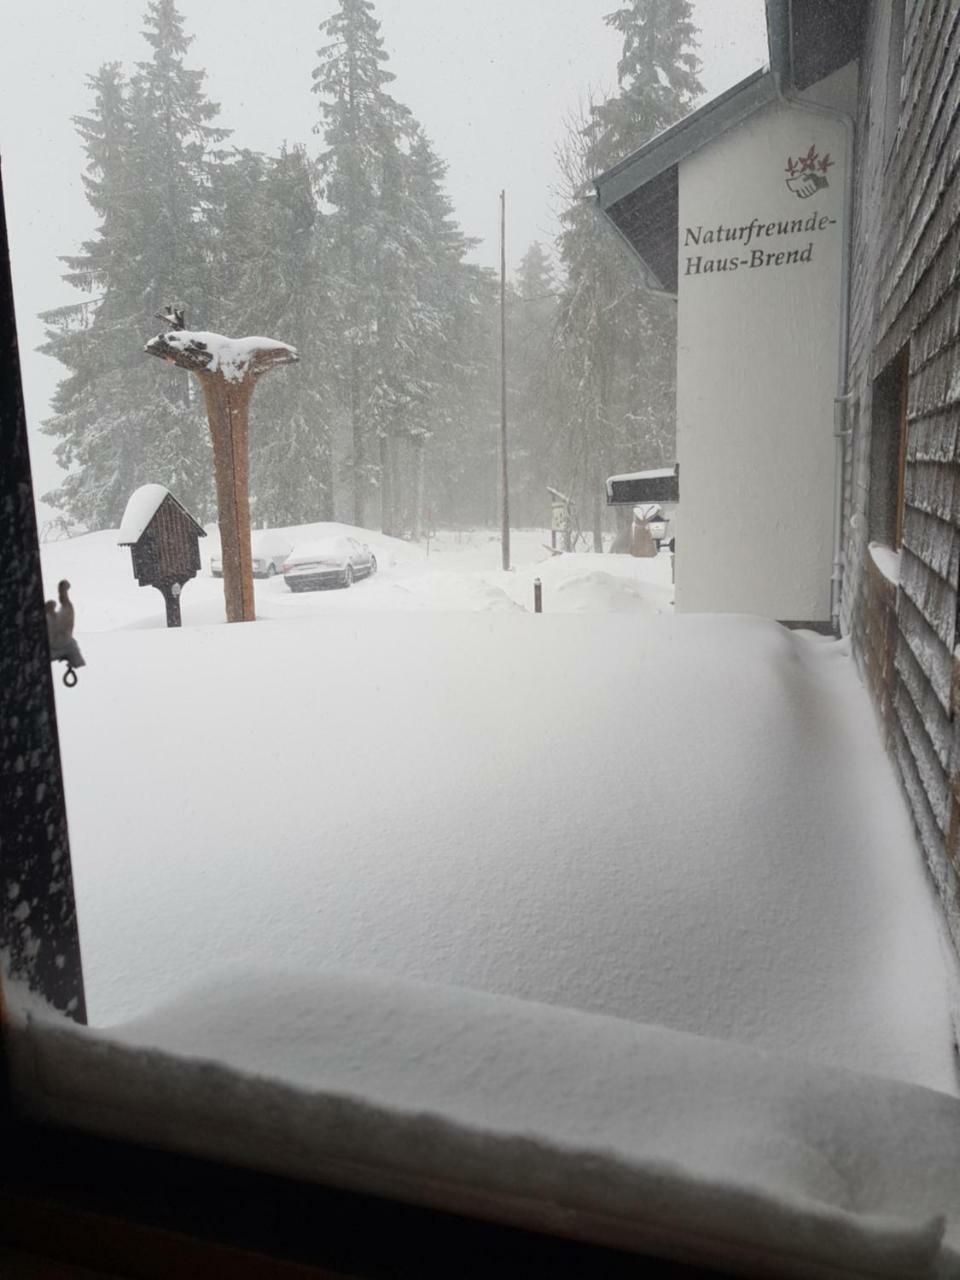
(164, 541)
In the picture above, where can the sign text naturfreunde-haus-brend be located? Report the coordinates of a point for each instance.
(806, 176)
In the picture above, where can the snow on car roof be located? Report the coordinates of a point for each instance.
(320, 547)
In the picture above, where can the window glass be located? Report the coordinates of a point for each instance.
(414, 691)
(889, 451)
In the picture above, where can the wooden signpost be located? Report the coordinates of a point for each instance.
(559, 518)
(228, 370)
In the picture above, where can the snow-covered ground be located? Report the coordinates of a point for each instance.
(680, 820)
(606, 921)
(459, 571)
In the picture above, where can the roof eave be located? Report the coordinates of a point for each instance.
(659, 159)
(681, 140)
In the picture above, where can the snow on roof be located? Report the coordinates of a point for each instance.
(649, 479)
(628, 1134)
(658, 474)
(231, 356)
(141, 507)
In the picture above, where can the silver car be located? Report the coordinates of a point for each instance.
(269, 552)
(331, 561)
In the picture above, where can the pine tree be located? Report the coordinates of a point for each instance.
(463, 464)
(271, 248)
(657, 77)
(432, 289)
(361, 125)
(615, 343)
(121, 420)
(98, 447)
(174, 153)
(399, 280)
(534, 411)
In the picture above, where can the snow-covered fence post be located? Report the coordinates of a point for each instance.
(228, 369)
(537, 596)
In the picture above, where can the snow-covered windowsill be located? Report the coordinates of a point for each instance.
(584, 1125)
(887, 561)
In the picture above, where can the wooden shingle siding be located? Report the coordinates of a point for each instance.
(935, 542)
(936, 600)
(931, 836)
(875, 621)
(927, 184)
(905, 290)
(926, 763)
(912, 667)
(867, 241)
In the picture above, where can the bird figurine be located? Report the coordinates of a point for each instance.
(60, 622)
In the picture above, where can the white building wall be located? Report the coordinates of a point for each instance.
(757, 368)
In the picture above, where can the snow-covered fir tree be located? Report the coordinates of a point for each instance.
(361, 125)
(657, 76)
(97, 444)
(429, 359)
(397, 278)
(271, 247)
(121, 420)
(616, 342)
(534, 408)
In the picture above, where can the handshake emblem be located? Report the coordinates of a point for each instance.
(808, 173)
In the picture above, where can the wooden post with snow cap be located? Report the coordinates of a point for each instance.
(228, 370)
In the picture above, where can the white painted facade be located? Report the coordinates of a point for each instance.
(759, 315)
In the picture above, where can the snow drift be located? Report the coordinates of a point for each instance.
(687, 821)
(584, 922)
(587, 1126)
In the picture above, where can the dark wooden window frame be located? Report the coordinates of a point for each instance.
(903, 372)
(74, 1205)
(889, 443)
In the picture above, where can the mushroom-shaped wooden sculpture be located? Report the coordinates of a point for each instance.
(228, 369)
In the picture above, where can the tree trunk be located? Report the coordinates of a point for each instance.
(327, 503)
(228, 405)
(386, 486)
(597, 516)
(399, 506)
(359, 459)
(418, 486)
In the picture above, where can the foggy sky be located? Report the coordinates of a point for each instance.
(491, 81)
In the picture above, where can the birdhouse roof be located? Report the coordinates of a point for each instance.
(142, 506)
